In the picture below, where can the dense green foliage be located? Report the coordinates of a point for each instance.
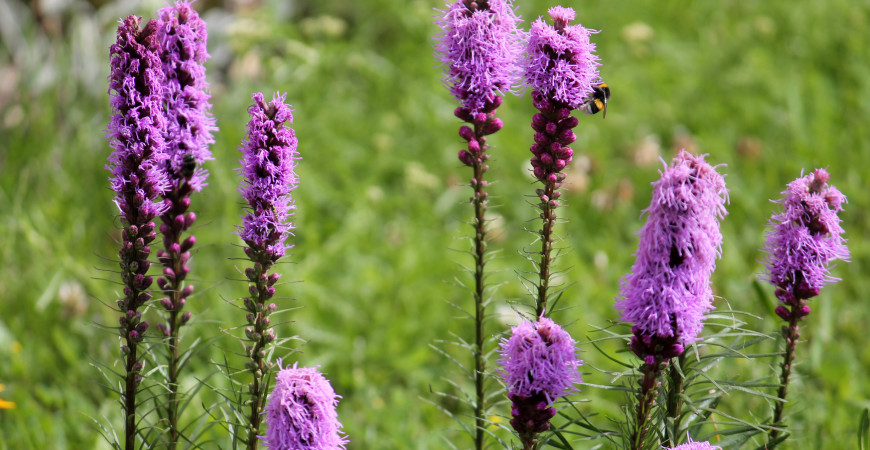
(767, 88)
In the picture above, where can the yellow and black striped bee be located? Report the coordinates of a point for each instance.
(597, 101)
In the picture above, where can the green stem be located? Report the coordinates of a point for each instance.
(645, 401)
(675, 399)
(260, 366)
(479, 201)
(791, 335)
(548, 214)
(130, 389)
(172, 376)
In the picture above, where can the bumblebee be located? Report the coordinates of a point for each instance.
(597, 101)
(188, 165)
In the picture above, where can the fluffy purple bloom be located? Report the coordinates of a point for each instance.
(301, 412)
(806, 237)
(182, 36)
(539, 365)
(560, 64)
(268, 168)
(668, 290)
(692, 445)
(480, 46)
(138, 122)
(539, 357)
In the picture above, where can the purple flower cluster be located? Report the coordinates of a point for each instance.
(268, 168)
(561, 65)
(539, 365)
(552, 136)
(805, 238)
(668, 290)
(136, 137)
(560, 68)
(480, 46)
(301, 412)
(182, 35)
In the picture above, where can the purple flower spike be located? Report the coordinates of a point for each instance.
(668, 290)
(806, 238)
(137, 126)
(268, 168)
(136, 136)
(480, 45)
(539, 365)
(301, 412)
(561, 64)
(182, 35)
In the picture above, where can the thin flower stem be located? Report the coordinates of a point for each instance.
(172, 381)
(479, 201)
(548, 214)
(130, 388)
(259, 366)
(791, 335)
(675, 399)
(645, 401)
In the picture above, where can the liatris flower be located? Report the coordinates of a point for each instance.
(539, 365)
(301, 412)
(692, 445)
(182, 36)
(479, 45)
(560, 68)
(561, 65)
(268, 168)
(183, 39)
(136, 133)
(668, 291)
(804, 241)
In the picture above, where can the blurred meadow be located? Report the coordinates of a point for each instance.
(769, 89)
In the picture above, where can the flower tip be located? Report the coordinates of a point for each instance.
(561, 14)
(822, 175)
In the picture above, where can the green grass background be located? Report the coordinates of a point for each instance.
(769, 89)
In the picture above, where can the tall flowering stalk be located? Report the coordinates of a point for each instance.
(182, 36)
(560, 68)
(268, 170)
(301, 412)
(668, 290)
(804, 240)
(136, 133)
(479, 45)
(539, 366)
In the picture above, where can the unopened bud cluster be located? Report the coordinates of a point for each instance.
(553, 133)
(531, 414)
(259, 333)
(176, 256)
(484, 123)
(653, 348)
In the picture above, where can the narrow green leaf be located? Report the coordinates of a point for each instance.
(864, 430)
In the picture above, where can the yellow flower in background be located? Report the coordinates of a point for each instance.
(494, 422)
(3, 403)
